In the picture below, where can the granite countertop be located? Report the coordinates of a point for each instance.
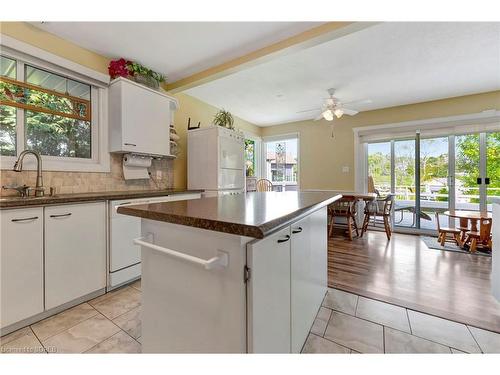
(251, 214)
(18, 202)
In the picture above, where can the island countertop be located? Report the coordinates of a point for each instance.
(252, 214)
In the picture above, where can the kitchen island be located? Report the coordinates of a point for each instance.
(238, 273)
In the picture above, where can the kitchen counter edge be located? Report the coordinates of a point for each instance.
(18, 202)
(246, 230)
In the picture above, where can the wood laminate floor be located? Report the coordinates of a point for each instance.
(405, 272)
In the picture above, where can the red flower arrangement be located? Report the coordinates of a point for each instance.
(119, 68)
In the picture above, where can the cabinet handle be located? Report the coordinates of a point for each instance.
(25, 219)
(287, 237)
(130, 144)
(61, 215)
(298, 230)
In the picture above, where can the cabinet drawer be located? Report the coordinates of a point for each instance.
(75, 251)
(21, 264)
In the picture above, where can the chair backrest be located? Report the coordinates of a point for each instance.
(371, 186)
(264, 185)
(485, 229)
(344, 206)
(388, 203)
(437, 221)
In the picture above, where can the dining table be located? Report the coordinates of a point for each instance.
(466, 216)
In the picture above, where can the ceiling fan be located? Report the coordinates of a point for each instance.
(333, 107)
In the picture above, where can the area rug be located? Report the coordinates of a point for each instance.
(432, 243)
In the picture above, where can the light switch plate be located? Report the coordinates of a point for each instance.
(345, 169)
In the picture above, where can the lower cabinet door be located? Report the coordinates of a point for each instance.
(21, 264)
(268, 294)
(75, 251)
(308, 257)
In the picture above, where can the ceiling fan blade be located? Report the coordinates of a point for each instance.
(350, 112)
(319, 117)
(309, 110)
(364, 101)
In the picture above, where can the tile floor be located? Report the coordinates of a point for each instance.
(346, 323)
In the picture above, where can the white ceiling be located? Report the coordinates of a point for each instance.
(177, 49)
(391, 64)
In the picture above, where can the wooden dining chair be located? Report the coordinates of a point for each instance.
(264, 185)
(379, 208)
(345, 208)
(444, 231)
(481, 238)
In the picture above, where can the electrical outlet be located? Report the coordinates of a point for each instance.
(345, 169)
(159, 174)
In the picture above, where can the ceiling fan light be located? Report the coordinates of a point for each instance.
(328, 115)
(338, 112)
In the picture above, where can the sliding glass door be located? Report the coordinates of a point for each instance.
(434, 181)
(430, 175)
(492, 181)
(404, 183)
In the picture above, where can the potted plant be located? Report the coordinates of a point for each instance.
(135, 71)
(224, 118)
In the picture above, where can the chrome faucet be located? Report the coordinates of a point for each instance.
(18, 167)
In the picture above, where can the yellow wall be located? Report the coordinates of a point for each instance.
(189, 106)
(199, 112)
(322, 157)
(49, 42)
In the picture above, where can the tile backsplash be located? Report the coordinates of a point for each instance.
(84, 182)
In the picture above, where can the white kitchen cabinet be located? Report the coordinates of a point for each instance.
(269, 294)
(288, 278)
(308, 274)
(21, 264)
(75, 251)
(139, 118)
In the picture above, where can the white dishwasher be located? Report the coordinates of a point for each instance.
(124, 256)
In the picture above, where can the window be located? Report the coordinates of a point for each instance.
(282, 162)
(55, 110)
(250, 165)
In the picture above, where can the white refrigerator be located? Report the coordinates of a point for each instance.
(216, 161)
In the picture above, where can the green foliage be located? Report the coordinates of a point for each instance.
(48, 134)
(224, 118)
(250, 157)
(432, 167)
(7, 130)
(136, 68)
(57, 135)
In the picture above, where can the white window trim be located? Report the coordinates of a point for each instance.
(100, 160)
(485, 121)
(257, 152)
(281, 137)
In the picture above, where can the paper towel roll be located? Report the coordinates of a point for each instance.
(135, 167)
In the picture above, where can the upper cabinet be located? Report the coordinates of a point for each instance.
(139, 118)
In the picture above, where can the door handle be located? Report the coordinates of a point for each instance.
(287, 237)
(130, 144)
(487, 180)
(479, 180)
(298, 230)
(61, 215)
(25, 219)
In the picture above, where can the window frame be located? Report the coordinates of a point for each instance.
(100, 158)
(257, 153)
(277, 138)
